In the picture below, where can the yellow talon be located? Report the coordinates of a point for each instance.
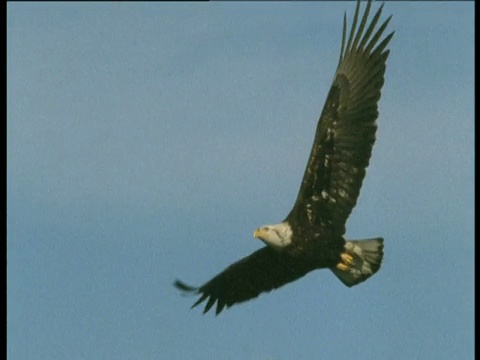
(346, 263)
(348, 259)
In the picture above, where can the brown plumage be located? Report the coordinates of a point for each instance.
(311, 236)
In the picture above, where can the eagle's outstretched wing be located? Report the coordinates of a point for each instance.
(262, 271)
(346, 130)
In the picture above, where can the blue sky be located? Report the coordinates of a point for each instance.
(147, 141)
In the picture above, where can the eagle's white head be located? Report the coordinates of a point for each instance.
(276, 236)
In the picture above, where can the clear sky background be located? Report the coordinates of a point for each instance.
(147, 141)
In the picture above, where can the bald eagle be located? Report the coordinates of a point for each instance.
(312, 235)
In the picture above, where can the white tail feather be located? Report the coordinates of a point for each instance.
(366, 260)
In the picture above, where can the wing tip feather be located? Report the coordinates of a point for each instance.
(180, 285)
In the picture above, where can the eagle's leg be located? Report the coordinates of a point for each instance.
(346, 263)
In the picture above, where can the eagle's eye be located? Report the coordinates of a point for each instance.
(265, 228)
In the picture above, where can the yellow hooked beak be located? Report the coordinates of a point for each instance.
(256, 233)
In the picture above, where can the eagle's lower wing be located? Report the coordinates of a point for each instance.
(346, 130)
(262, 271)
